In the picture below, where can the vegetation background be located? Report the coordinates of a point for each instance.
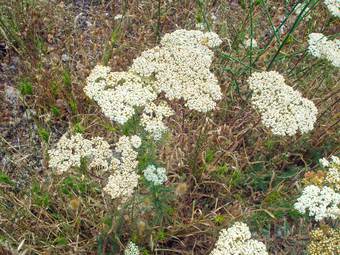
(222, 166)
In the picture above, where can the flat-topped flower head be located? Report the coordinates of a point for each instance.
(155, 175)
(153, 119)
(122, 162)
(190, 38)
(332, 172)
(180, 68)
(282, 108)
(121, 184)
(333, 7)
(324, 241)
(118, 93)
(124, 180)
(321, 47)
(131, 249)
(237, 240)
(69, 152)
(320, 203)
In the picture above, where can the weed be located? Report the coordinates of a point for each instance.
(26, 87)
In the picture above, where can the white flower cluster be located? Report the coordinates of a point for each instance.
(124, 180)
(321, 47)
(282, 108)
(121, 184)
(118, 93)
(333, 173)
(333, 7)
(155, 175)
(153, 118)
(70, 151)
(236, 240)
(131, 249)
(180, 67)
(320, 202)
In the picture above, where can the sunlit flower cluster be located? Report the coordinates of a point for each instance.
(70, 151)
(333, 7)
(237, 240)
(124, 180)
(324, 241)
(122, 162)
(131, 249)
(333, 172)
(320, 203)
(118, 93)
(282, 108)
(321, 47)
(153, 118)
(155, 175)
(180, 68)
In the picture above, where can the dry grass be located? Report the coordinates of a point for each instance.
(222, 167)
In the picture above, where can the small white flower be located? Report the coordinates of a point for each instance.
(335, 160)
(321, 47)
(70, 151)
(131, 249)
(333, 7)
(180, 68)
(213, 17)
(121, 184)
(324, 162)
(118, 93)
(282, 108)
(136, 142)
(153, 119)
(200, 26)
(237, 240)
(333, 173)
(155, 175)
(320, 203)
(124, 180)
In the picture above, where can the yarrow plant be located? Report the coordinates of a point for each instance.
(333, 7)
(320, 197)
(179, 68)
(124, 180)
(320, 203)
(69, 153)
(324, 241)
(131, 249)
(282, 108)
(237, 240)
(155, 175)
(332, 177)
(153, 118)
(321, 47)
(118, 93)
